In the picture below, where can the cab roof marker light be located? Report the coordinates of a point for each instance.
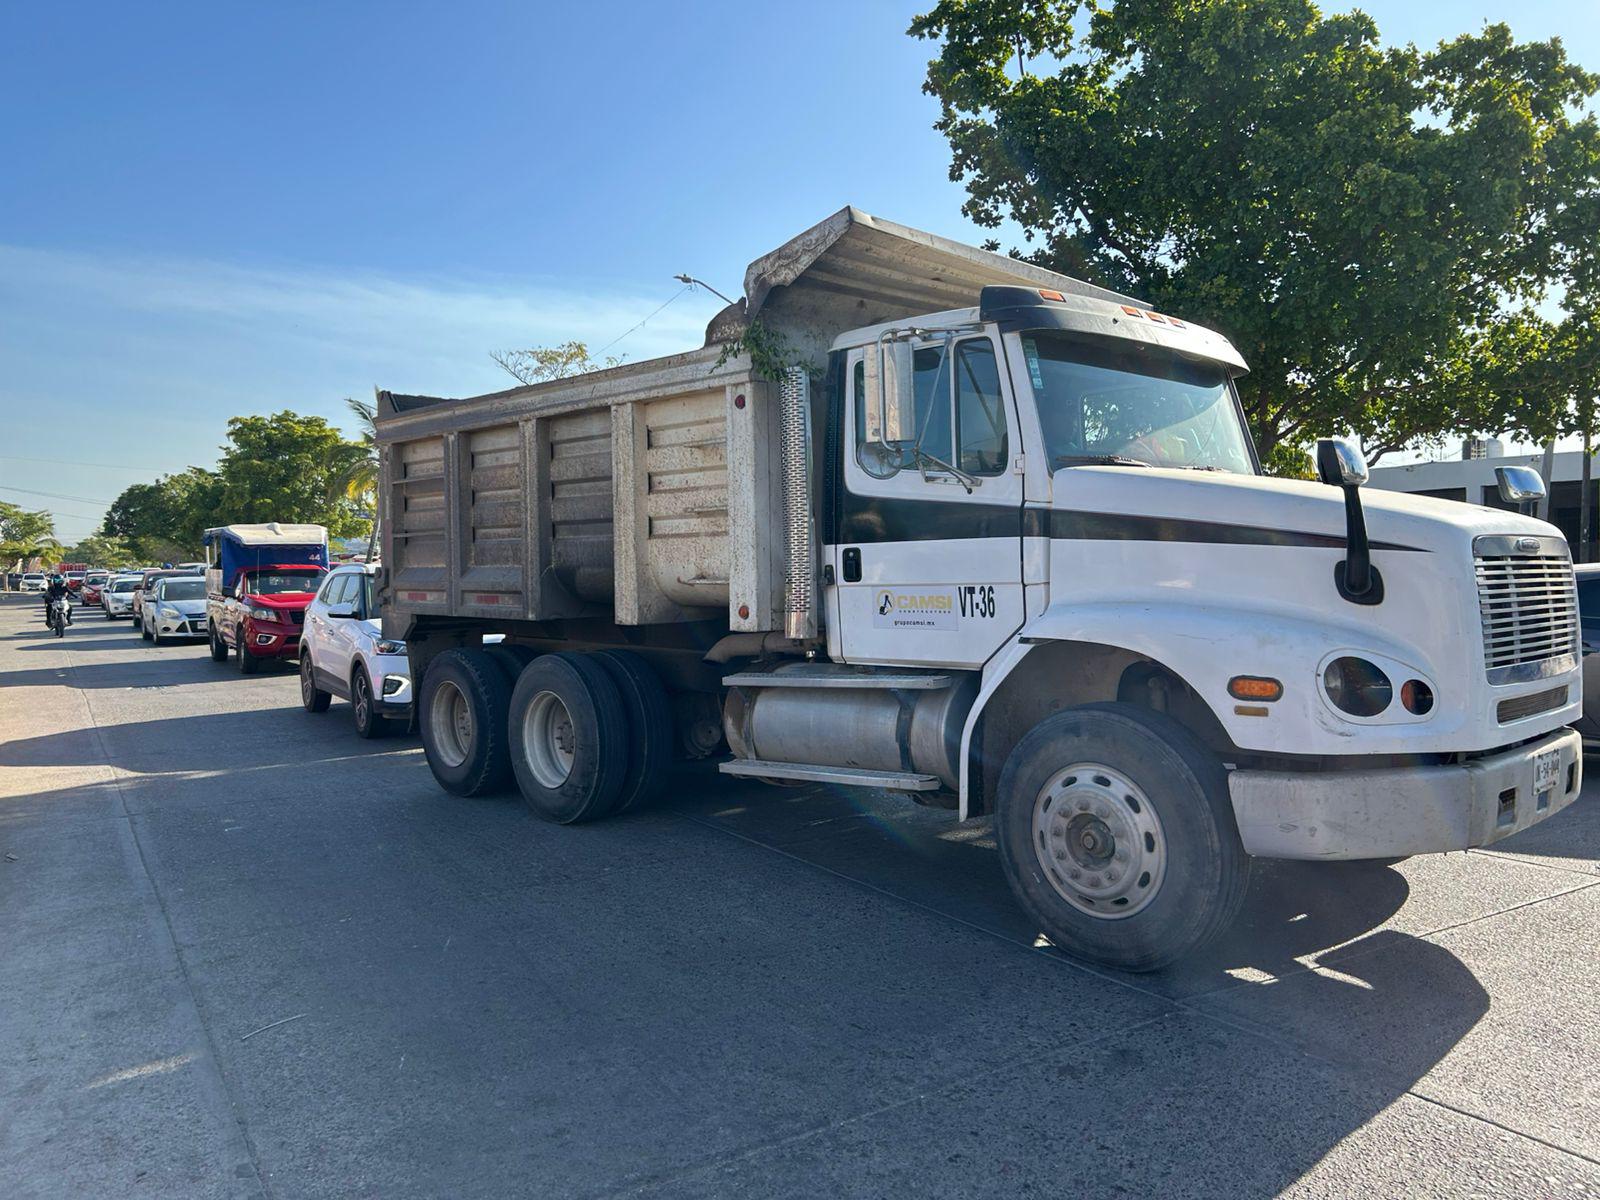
(1131, 311)
(1156, 317)
(1047, 294)
(1173, 321)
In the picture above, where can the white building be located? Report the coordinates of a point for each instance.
(1472, 480)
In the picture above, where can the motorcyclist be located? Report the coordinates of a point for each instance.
(55, 590)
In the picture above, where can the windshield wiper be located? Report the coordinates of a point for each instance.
(1097, 460)
(925, 460)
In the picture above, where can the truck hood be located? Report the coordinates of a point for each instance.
(1158, 504)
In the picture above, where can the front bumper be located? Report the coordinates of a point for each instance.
(180, 627)
(276, 640)
(394, 691)
(1402, 810)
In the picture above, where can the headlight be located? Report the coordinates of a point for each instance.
(166, 610)
(1357, 686)
(389, 646)
(263, 614)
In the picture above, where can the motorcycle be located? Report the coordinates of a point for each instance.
(60, 615)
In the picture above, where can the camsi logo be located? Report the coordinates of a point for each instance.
(914, 610)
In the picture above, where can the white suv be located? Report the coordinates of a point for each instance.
(343, 653)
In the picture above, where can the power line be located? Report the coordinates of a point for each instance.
(67, 462)
(685, 288)
(54, 495)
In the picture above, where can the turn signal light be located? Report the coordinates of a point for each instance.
(1417, 697)
(1254, 687)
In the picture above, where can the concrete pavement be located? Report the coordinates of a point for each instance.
(247, 954)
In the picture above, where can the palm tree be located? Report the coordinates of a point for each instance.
(360, 481)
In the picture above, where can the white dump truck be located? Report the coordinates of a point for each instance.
(921, 518)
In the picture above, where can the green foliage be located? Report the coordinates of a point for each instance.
(99, 550)
(163, 521)
(1373, 227)
(25, 533)
(285, 467)
(770, 353)
(544, 363)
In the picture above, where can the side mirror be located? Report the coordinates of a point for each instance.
(1519, 485)
(1340, 463)
(891, 401)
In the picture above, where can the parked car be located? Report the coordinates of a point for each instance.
(175, 609)
(33, 581)
(343, 653)
(116, 596)
(147, 585)
(1589, 628)
(93, 581)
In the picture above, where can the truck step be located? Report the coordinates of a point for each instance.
(836, 679)
(894, 781)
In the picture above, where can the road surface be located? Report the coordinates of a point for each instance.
(246, 954)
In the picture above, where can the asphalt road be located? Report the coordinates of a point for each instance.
(244, 953)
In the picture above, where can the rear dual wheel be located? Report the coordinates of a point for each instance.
(583, 735)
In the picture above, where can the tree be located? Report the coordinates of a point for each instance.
(1375, 228)
(98, 550)
(288, 467)
(544, 363)
(163, 521)
(24, 533)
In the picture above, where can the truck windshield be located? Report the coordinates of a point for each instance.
(276, 583)
(1133, 405)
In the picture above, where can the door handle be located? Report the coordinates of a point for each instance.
(852, 564)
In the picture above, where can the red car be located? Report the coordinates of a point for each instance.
(92, 583)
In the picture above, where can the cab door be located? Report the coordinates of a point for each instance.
(928, 545)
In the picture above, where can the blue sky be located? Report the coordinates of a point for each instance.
(215, 209)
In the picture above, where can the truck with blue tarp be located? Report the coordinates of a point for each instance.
(259, 580)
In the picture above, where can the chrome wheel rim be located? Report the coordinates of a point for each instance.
(450, 718)
(1099, 841)
(548, 742)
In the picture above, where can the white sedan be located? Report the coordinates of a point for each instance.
(176, 608)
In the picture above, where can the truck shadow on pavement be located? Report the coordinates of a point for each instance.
(843, 1041)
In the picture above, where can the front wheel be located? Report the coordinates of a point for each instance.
(369, 722)
(144, 629)
(249, 664)
(1117, 835)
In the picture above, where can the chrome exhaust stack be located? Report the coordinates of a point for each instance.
(794, 417)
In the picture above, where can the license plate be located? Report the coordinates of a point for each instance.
(1546, 769)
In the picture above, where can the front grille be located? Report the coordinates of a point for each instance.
(298, 615)
(1530, 706)
(1529, 606)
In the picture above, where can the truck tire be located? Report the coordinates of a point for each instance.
(651, 732)
(569, 738)
(312, 698)
(1117, 835)
(219, 648)
(249, 664)
(462, 715)
(512, 659)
